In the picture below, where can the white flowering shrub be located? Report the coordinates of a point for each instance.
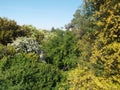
(27, 45)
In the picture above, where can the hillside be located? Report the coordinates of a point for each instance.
(85, 56)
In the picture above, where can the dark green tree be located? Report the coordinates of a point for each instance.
(61, 50)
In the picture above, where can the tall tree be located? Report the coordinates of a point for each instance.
(61, 50)
(106, 53)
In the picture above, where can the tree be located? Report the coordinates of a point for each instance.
(7, 30)
(83, 26)
(61, 50)
(101, 71)
(105, 53)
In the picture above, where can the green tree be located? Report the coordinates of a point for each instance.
(84, 28)
(61, 50)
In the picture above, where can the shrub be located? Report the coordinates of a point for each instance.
(6, 51)
(21, 73)
(28, 45)
(82, 78)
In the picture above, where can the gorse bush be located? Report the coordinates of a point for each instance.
(85, 79)
(105, 51)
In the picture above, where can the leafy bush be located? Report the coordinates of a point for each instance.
(21, 73)
(84, 79)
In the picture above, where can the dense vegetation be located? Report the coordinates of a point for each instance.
(84, 57)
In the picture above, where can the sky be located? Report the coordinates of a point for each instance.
(43, 14)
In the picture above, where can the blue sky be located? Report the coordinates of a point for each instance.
(42, 14)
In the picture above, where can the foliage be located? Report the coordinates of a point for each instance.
(105, 52)
(38, 35)
(91, 41)
(26, 44)
(83, 78)
(48, 35)
(21, 73)
(83, 27)
(6, 51)
(23, 31)
(9, 30)
(99, 48)
(61, 50)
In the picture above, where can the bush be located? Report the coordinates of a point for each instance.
(82, 78)
(21, 73)
(7, 30)
(28, 45)
(6, 51)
